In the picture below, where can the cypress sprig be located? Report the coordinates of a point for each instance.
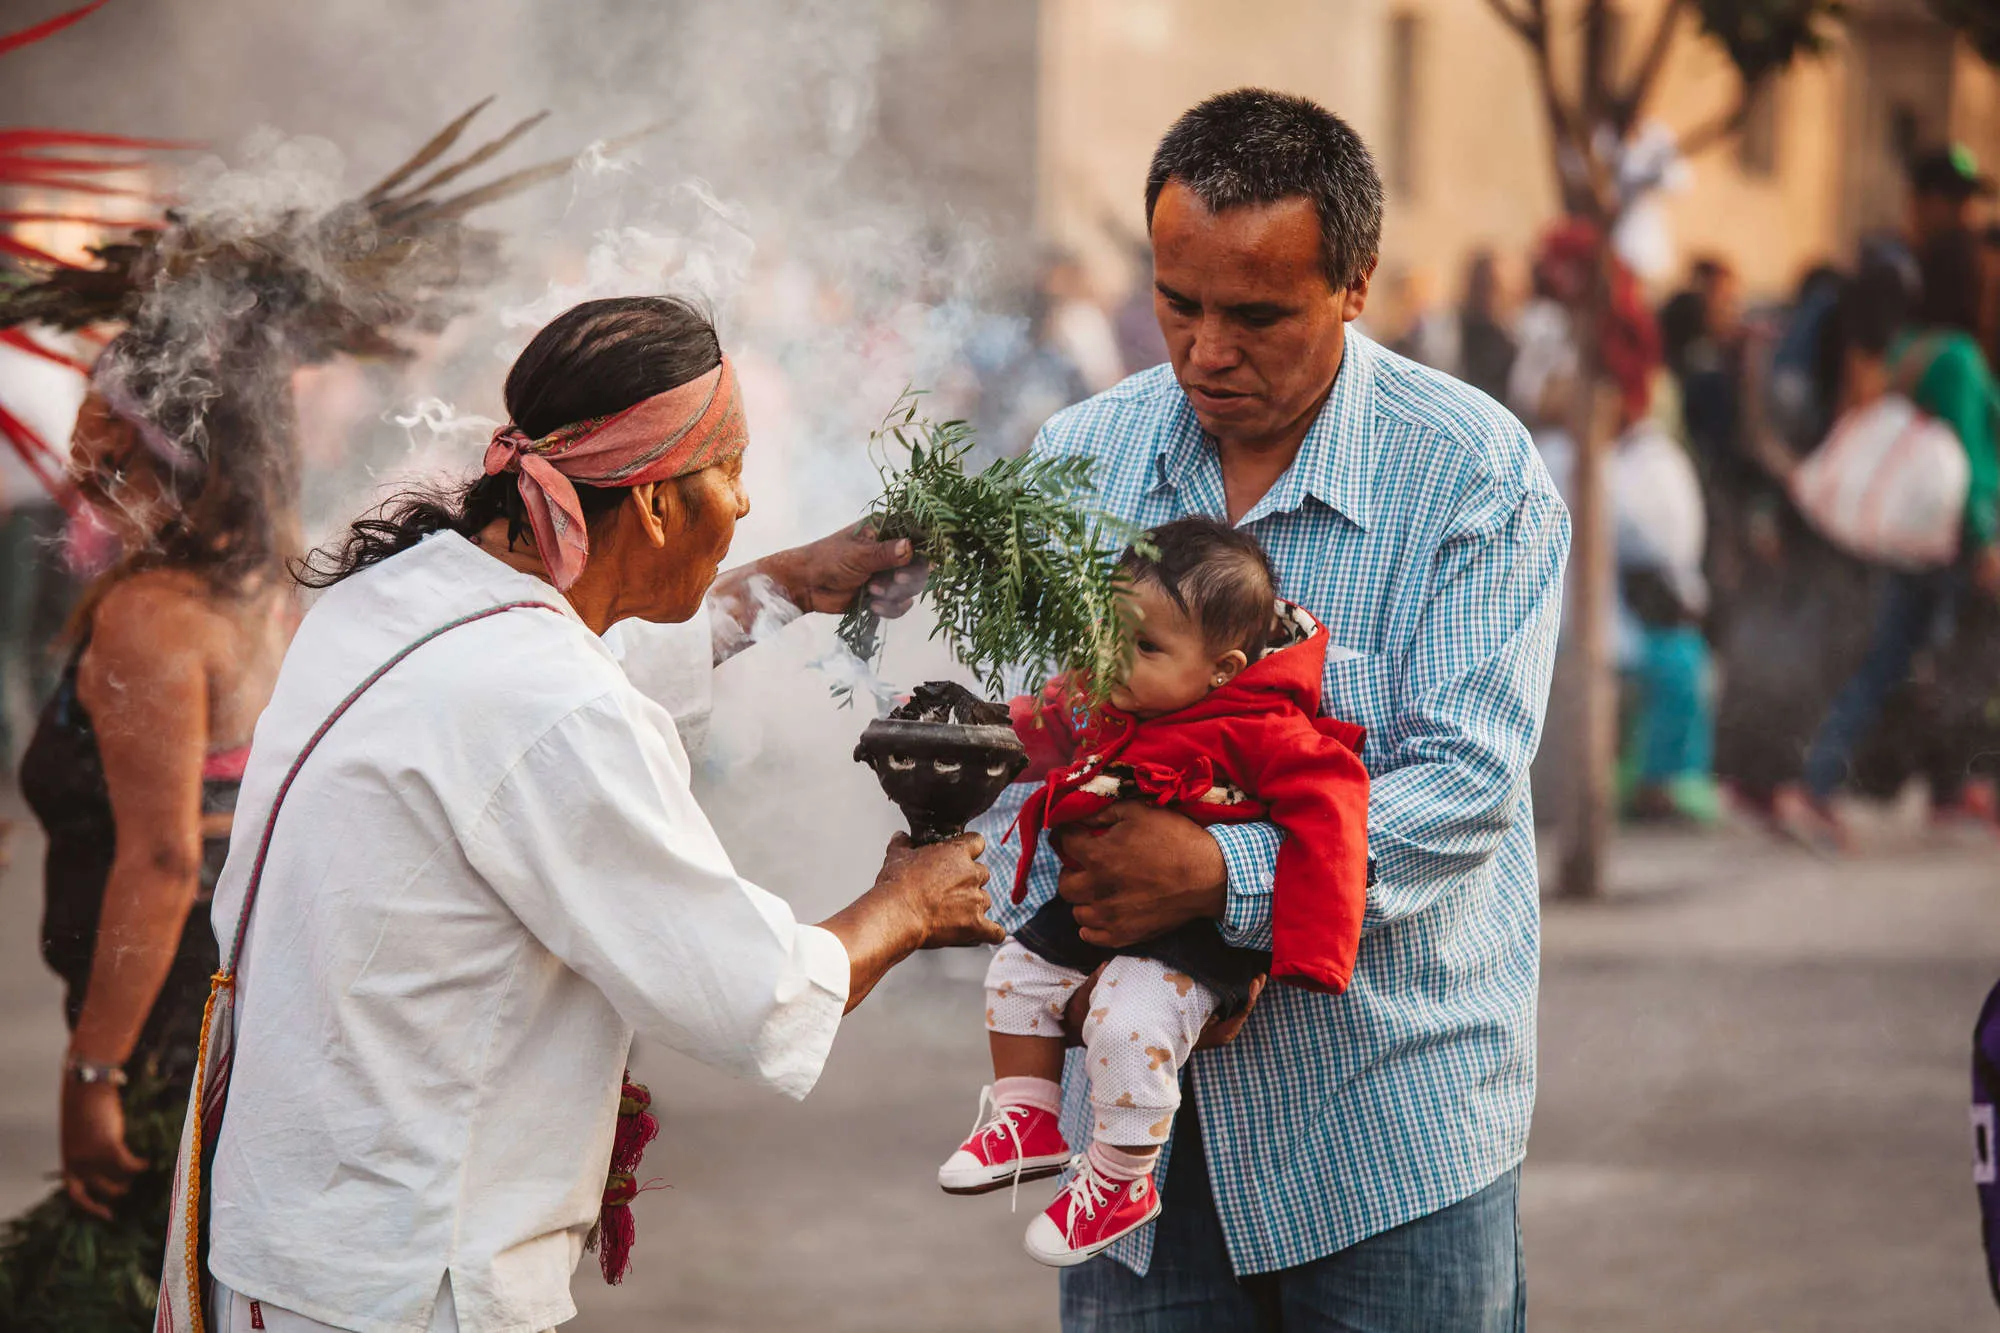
(1022, 565)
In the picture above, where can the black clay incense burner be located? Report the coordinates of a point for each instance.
(944, 757)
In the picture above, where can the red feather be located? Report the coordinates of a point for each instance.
(49, 28)
(28, 138)
(114, 224)
(42, 460)
(18, 339)
(20, 161)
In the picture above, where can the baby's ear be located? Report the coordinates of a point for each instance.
(1227, 667)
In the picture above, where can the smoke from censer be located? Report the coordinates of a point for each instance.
(847, 184)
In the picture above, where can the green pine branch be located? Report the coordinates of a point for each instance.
(1023, 568)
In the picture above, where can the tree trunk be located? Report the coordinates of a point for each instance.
(1593, 565)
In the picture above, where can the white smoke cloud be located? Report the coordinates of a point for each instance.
(837, 276)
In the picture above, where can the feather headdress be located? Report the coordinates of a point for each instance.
(354, 279)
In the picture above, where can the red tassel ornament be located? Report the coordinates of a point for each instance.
(615, 1229)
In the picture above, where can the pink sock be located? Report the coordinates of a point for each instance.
(1039, 1093)
(1122, 1163)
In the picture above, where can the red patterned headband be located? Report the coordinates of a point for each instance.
(693, 426)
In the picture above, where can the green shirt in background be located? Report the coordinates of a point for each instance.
(1957, 388)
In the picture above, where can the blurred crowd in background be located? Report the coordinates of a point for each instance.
(1767, 670)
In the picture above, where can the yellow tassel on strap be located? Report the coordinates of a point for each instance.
(222, 981)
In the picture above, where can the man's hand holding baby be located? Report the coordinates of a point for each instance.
(1136, 871)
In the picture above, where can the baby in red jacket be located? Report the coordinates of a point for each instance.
(1217, 718)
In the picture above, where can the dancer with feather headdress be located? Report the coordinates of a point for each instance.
(184, 448)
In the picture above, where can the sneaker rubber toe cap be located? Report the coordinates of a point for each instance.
(962, 1169)
(1046, 1244)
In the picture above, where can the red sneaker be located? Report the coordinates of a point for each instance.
(1009, 1144)
(1976, 806)
(1092, 1211)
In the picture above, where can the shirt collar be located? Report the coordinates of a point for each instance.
(1331, 465)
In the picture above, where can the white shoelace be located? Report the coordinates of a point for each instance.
(1087, 1190)
(994, 1118)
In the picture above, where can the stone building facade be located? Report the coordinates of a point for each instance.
(1446, 95)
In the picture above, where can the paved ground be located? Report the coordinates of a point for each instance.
(1752, 1118)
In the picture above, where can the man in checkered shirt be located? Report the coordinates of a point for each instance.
(1346, 1161)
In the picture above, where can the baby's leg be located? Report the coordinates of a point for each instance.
(1018, 1136)
(1144, 1019)
(1025, 998)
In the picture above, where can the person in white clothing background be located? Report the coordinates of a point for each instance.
(490, 872)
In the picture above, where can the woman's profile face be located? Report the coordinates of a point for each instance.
(113, 472)
(706, 508)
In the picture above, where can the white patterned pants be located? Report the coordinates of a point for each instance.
(1144, 1019)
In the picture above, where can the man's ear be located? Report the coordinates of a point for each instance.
(1355, 299)
(1227, 667)
(648, 501)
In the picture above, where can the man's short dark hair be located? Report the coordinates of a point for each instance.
(1217, 575)
(1952, 284)
(1950, 172)
(1253, 146)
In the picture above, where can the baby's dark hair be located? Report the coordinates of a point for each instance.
(1217, 575)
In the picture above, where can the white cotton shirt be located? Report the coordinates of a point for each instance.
(485, 878)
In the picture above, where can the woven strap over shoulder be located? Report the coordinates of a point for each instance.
(312, 742)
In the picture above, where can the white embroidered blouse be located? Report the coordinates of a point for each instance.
(486, 877)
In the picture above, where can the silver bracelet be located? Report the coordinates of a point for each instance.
(92, 1071)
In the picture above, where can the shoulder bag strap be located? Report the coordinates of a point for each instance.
(312, 742)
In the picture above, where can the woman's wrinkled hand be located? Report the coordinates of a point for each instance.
(829, 575)
(1216, 1032)
(97, 1167)
(944, 888)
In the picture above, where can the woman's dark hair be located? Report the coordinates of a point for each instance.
(214, 425)
(1252, 146)
(592, 360)
(1683, 320)
(1217, 575)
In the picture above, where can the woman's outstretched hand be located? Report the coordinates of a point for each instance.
(924, 898)
(830, 574)
(97, 1167)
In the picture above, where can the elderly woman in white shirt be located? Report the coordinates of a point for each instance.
(490, 873)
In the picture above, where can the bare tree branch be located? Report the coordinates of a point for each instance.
(1724, 127)
(1584, 181)
(1594, 88)
(1632, 101)
(1522, 24)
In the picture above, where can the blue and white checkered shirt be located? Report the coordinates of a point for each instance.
(1418, 524)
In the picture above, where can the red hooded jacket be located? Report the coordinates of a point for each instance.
(1255, 748)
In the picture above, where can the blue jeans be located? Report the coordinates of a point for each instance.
(1915, 613)
(1458, 1269)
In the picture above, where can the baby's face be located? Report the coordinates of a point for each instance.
(1171, 664)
